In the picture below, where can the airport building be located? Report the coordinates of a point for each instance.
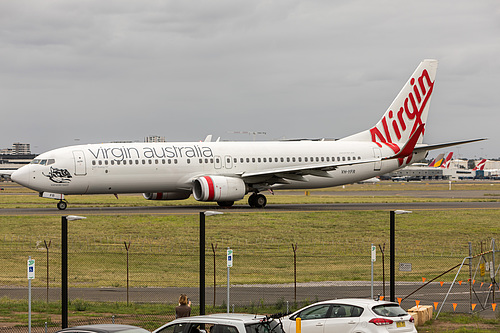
(17, 149)
(457, 170)
(15, 157)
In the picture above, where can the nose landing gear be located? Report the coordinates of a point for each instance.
(62, 205)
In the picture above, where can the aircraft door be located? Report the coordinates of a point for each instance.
(377, 153)
(80, 165)
(228, 162)
(217, 162)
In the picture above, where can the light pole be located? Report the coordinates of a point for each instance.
(202, 257)
(64, 266)
(393, 249)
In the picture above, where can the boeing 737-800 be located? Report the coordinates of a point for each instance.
(225, 172)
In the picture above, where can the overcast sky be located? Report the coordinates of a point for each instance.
(92, 71)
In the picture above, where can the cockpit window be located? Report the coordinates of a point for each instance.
(43, 162)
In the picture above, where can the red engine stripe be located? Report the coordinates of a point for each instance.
(211, 189)
(159, 196)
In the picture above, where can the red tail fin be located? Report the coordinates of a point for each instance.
(480, 165)
(447, 161)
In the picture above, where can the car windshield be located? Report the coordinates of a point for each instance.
(389, 310)
(271, 326)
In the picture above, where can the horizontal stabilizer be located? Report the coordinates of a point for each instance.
(6, 172)
(444, 145)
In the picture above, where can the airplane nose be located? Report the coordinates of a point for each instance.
(21, 176)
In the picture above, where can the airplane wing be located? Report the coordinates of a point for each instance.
(297, 173)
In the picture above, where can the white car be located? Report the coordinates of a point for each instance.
(222, 323)
(351, 315)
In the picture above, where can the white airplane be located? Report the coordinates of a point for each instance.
(225, 172)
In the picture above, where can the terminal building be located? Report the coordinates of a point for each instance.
(15, 157)
(457, 170)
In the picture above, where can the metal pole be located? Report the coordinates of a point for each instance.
(228, 284)
(29, 302)
(127, 247)
(393, 257)
(371, 260)
(64, 271)
(382, 250)
(202, 263)
(214, 248)
(47, 247)
(470, 277)
(294, 248)
(493, 269)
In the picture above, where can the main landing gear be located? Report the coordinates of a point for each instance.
(257, 200)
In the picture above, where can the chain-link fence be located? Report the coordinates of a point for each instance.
(272, 272)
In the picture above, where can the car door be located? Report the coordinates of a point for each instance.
(343, 318)
(312, 319)
(174, 328)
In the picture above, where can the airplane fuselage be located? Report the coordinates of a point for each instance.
(172, 167)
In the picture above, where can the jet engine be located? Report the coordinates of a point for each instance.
(219, 188)
(167, 195)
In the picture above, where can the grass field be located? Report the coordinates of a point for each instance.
(337, 240)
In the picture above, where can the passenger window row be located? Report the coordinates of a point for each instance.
(131, 162)
(211, 160)
(297, 159)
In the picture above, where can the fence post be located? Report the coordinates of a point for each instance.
(493, 269)
(127, 247)
(214, 248)
(294, 248)
(382, 249)
(470, 277)
(47, 247)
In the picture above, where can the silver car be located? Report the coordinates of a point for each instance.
(104, 328)
(351, 315)
(222, 323)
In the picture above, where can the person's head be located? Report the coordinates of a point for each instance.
(183, 300)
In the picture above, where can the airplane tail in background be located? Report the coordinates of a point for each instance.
(447, 161)
(480, 165)
(406, 113)
(437, 160)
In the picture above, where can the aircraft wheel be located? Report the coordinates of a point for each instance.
(62, 205)
(225, 203)
(257, 200)
(260, 201)
(252, 200)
